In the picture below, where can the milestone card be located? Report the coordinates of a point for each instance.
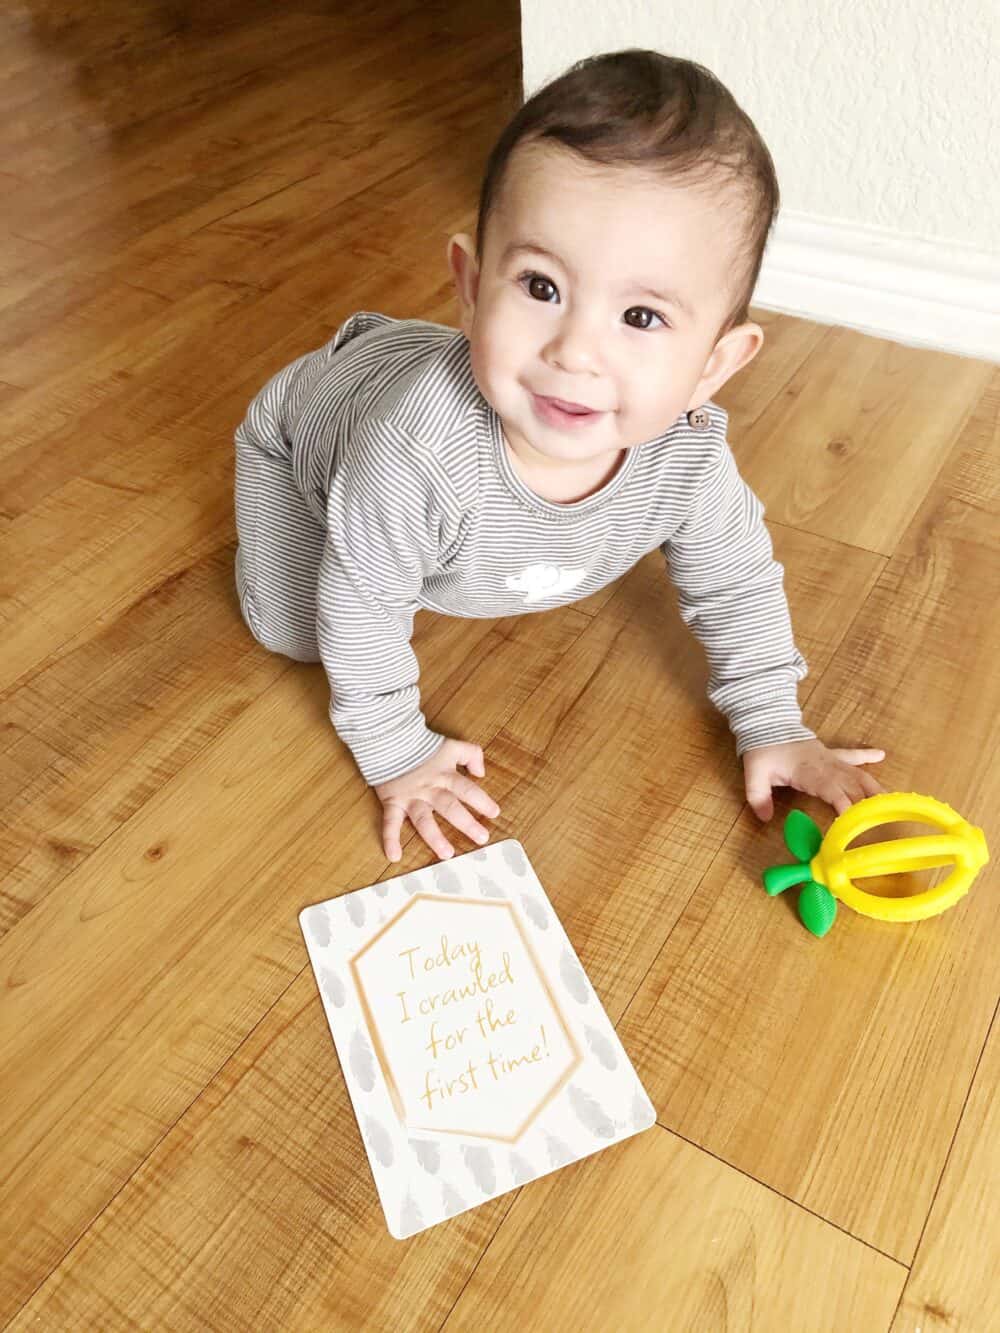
(476, 1052)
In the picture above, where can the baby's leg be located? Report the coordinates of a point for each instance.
(277, 560)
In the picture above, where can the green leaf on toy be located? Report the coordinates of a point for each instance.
(817, 908)
(779, 878)
(802, 836)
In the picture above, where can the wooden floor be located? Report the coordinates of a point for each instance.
(192, 196)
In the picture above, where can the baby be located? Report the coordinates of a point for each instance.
(537, 454)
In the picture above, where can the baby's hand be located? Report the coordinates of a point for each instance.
(436, 786)
(809, 767)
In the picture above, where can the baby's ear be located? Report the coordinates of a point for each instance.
(731, 353)
(465, 272)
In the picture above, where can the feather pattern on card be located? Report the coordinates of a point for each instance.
(446, 880)
(410, 1218)
(514, 858)
(480, 1164)
(362, 1060)
(319, 925)
(558, 1153)
(332, 987)
(453, 1201)
(490, 888)
(379, 1140)
(643, 1111)
(428, 1155)
(589, 1113)
(534, 912)
(520, 1170)
(573, 977)
(602, 1048)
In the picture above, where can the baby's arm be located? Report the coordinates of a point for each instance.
(381, 544)
(731, 594)
(384, 536)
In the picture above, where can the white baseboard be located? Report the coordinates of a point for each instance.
(921, 293)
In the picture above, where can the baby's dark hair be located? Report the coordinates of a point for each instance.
(645, 109)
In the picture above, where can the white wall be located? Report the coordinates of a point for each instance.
(880, 116)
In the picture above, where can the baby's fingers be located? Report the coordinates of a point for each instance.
(471, 756)
(844, 788)
(870, 785)
(392, 825)
(455, 812)
(857, 784)
(825, 782)
(758, 790)
(467, 790)
(860, 756)
(837, 796)
(422, 819)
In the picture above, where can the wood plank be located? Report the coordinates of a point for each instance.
(92, 735)
(953, 1282)
(222, 69)
(282, 218)
(93, 419)
(253, 117)
(966, 506)
(788, 346)
(107, 393)
(807, 1063)
(821, 453)
(284, 238)
(96, 525)
(258, 1210)
(683, 1243)
(101, 547)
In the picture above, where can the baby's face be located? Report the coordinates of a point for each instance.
(618, 315)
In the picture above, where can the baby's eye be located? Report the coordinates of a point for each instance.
(537, 285)
(646, 316)
(541, 288)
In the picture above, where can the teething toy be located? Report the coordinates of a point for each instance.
(826, 869)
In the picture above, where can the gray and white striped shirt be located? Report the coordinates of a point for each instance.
(399, 456)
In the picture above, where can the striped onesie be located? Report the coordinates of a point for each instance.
(372, 480)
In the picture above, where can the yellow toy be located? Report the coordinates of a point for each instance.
(826, 869)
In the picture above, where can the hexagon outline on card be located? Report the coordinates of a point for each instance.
(504, 1117)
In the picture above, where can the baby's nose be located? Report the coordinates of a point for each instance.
(575, 346)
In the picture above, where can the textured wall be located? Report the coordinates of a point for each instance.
(876, 112)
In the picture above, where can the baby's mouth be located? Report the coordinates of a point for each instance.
(575, 408)
(557, 411)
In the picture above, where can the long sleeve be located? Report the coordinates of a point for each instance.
(384, 520)
(731, 595)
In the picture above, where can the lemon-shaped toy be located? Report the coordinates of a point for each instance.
(827, 868)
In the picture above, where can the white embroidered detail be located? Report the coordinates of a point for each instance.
(540, 581)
